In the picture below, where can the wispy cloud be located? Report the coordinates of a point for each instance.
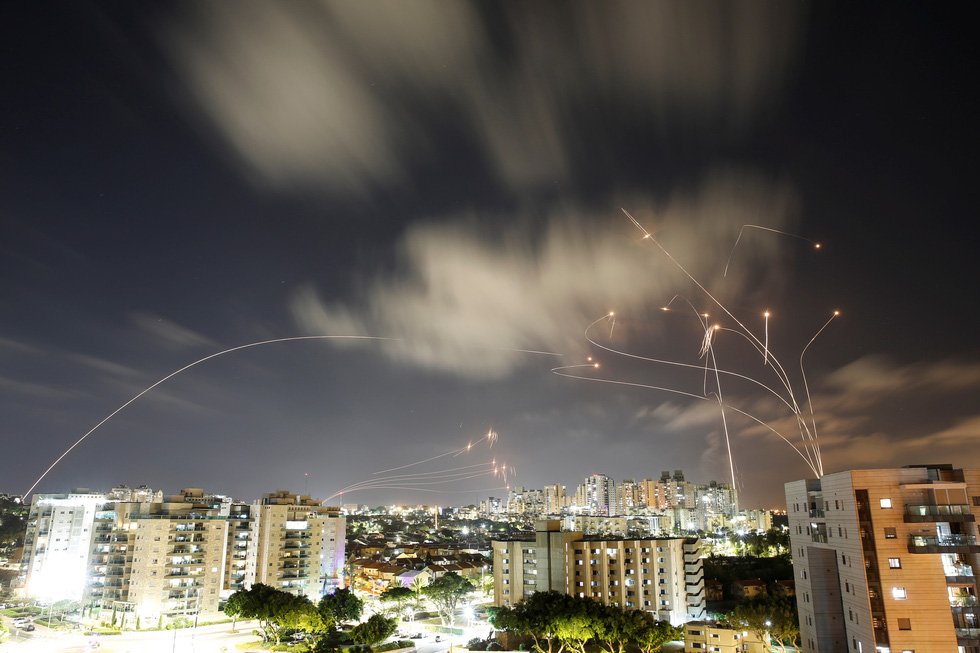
(33, 390)
(168, 333)
(344, 95)
(466, 301)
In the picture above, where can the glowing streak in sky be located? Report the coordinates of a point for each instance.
(222, 353)
(806, 385)
(810, 452)
(765, 355)
(809, 438)
(815, 244)
(490, 438)
(560, 371)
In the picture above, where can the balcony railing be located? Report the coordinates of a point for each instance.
(944, 544)
(935, 513)
(968, 633)
(817, 513)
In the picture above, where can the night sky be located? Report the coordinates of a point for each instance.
(181, 178)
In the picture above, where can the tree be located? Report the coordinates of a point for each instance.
(446, 592)
(616, 628)
(276, 610)
(770, 618)
(575, 629)
(375, 630)
(654, 634)
(535, 617)
(399, 596)
(343, 605)
(418, 588)
(235, 607)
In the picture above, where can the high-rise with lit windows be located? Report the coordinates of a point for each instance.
(886, 560)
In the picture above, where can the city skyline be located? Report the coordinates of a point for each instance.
(182, 179)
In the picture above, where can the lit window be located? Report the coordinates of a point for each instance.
(890, 533)
(885, 503)
(899, 593)
(895, 563)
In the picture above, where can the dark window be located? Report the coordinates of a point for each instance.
(905, 624)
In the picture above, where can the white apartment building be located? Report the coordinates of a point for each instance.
(57, 541)
(886, 560)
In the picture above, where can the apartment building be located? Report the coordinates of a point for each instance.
(178, 557)
(297, 544)
(886, 559)
(664, 576)
(522, 567)
(718, 637)
(57, 542)
(554, 499)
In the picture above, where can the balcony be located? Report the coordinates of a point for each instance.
(959, 574)
(938, 513)
(968, 636)
(817, 513)
(945, 544)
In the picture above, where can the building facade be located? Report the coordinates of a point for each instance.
(886, 559)
(158, 561)
(664, 576)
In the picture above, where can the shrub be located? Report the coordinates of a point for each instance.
(494, 646)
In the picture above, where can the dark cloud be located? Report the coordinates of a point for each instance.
(326, 95)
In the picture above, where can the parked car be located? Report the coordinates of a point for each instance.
(27, 628)
(438, 638)
(20, 622)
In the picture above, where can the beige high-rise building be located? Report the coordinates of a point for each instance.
(297, 544)
(177, 562)
(554, 499)
(522, 567)
(664, 576)
(886, 559)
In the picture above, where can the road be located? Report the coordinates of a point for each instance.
(204, 639)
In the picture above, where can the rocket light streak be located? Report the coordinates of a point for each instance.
(490, 438)
(805, 433)
(229, 351)
(559, 371)
(702, 317)
(765, 355)
(815, 244)
(809, 439)
(676, 364)
(806, 386)
(421, 479)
